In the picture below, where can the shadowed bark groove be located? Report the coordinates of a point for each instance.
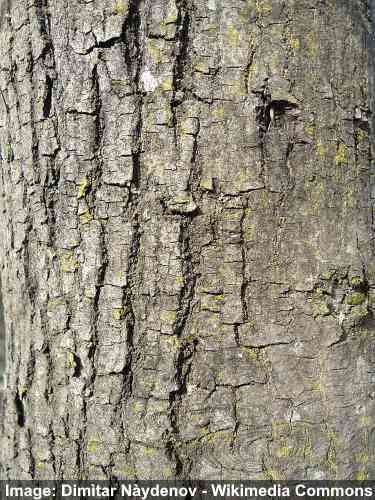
(187, 239)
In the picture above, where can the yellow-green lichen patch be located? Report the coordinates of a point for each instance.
(359, 312)
(257, 355)
(119, 83)
(365, 421)
(165, 30)
(211, 28)
(355, 298)
(83, 188)
(251, 353)
(120, 275)
(331, 460)
(349, 196)
(341, 157)
(360, 135)
(245, 13)
(207, 184)
(137, 407)
(92, 445)
(74, 243)
(361, 475)
(154, 51)
(284, 452)
(317, 191)
(328, 275)
(211, 302)
(280, 428)
(333, 437)
(253, 75)
(167, 473)
(54, 304)
(317, 386)
(301, 435)
(168, 317)
(310, 130)
(172, 19)
(273, 475)
(356, 281)
(118, 313)
(148, 452)
(293, 42)
(120, 8)
(182, 204)
(237, 88)
(248, 228)
(321, 150)
(71, 360)
(191, 337)
(166, 85)
(233, 37)
(173, 343)
(249, 232)
(319, 304)
(68, 263)
(312, 45)
(187, 126)
(172, 14)
(22, 392)
(263, 7)
(220, 377)
(363, 333)
(320, 308)
(362, 458)
(8, 153)
(241, 180)
(251, 327)
(179, 280)
(371, 268)
(202, 67)
(86, 217)
(218, 112)
(224, 437)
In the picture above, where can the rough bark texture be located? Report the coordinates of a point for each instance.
(2, 343)
(187, 238)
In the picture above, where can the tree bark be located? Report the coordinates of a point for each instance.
(187, 239)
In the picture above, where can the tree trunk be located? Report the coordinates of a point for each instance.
(187, 239)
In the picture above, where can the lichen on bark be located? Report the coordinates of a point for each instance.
(187, 248)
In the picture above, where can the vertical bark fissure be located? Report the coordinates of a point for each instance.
(30, 284)
(97, 176)
(133, 55)
(49, 190)
(183, 23)
(187, 293)
(244, 284)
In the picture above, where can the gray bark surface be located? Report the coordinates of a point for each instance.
(187, 239)
(2, 342)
